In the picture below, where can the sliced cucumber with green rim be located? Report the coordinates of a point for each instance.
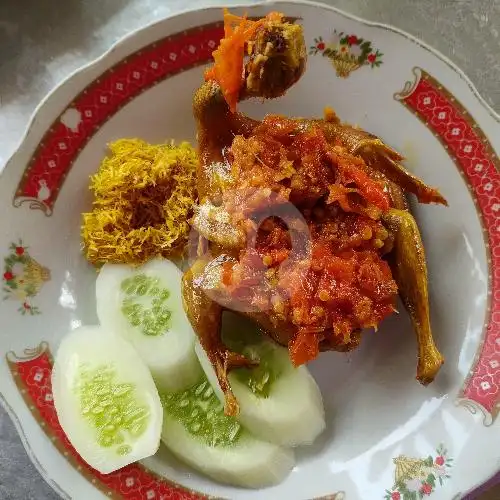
(278, 402)
(196, 430)
(106, 400)
(144, 305)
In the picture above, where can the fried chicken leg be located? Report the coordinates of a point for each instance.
(410, 271)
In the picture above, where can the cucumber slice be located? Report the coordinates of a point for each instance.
(196, 430)
(105, 399)
(278, 402)
(144, 305)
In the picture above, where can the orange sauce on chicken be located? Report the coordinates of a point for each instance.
(340, 283)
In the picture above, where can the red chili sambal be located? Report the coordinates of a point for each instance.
(338, 283)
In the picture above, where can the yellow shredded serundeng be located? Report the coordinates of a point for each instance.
(144, 196)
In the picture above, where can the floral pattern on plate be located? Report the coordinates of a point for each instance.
(416, 478)
(23, 277)
(347, 52)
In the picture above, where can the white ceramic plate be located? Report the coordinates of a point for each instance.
(386, 433)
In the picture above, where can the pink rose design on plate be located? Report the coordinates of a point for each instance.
(440, 470)
(426, 489)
